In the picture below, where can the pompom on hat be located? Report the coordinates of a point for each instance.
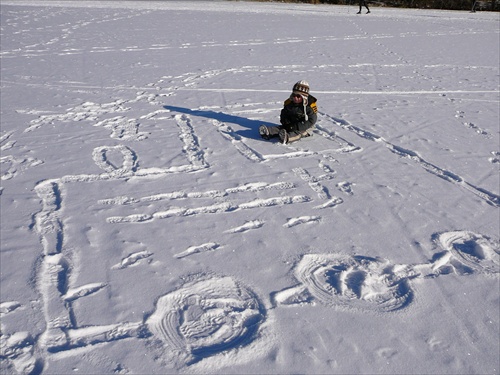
(302, 88)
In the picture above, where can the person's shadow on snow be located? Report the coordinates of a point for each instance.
(252, 126)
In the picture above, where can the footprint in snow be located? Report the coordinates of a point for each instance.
(301, 220)
(207, 247)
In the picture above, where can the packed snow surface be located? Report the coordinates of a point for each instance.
(146, 228)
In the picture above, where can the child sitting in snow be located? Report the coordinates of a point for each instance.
(297, 117)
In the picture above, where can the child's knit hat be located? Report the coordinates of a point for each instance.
(302, 88)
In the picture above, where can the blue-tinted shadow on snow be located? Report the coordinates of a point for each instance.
(251, 126)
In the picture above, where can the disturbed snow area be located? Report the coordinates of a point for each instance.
(146, 227)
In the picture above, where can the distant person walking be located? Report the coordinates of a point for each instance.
(473, 6)
(361, 4)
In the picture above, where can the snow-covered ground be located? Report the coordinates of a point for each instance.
(146, 228)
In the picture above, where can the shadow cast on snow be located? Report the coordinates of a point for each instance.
(252, 126)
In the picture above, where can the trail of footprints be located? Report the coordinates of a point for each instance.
(187, 329)
(128, 129)
(447, 175)
(210, 314)
(208, 328)
(11, 165)
(66, 30)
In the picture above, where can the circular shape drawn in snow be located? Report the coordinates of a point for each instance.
(475, 251)
(354, 281)
(101, 156)
(204, 318)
